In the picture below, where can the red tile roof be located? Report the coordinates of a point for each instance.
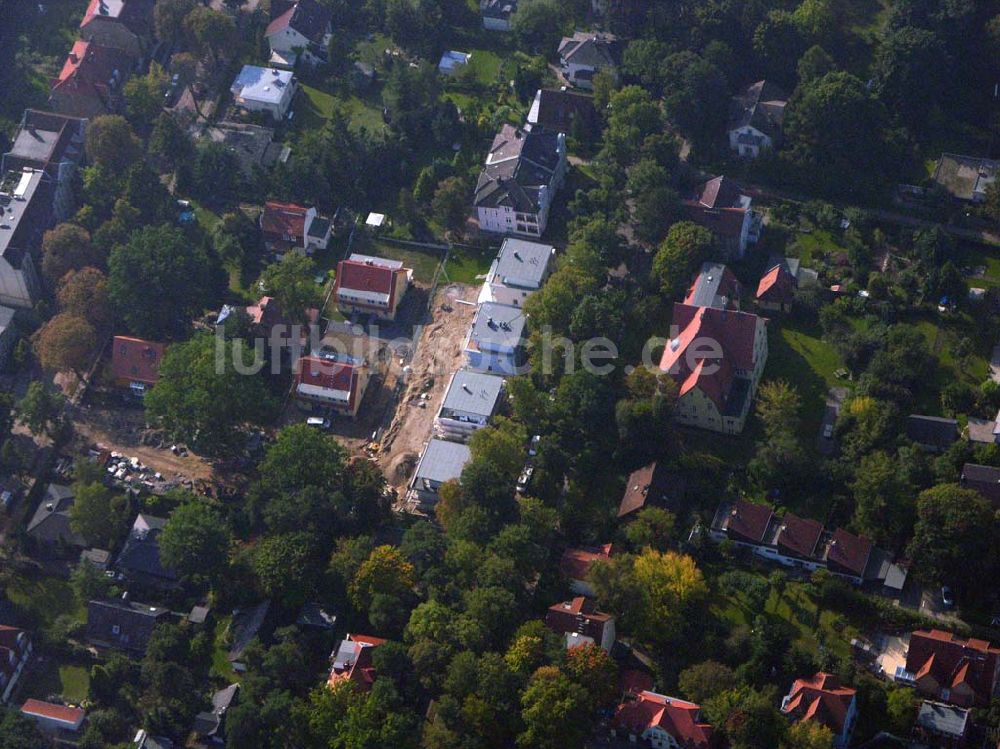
(284, 219)
(575, 563)
(777, 285)
(361, 276)
(9, 635)
(649, 485)
(715, 205)
(679, 718)
(52, 711)
(360, 669)
(136, 360)
(579, 615)
(329, 375)
(748, 520)
(820, 698)
(952, 662)
(849, 552)
(90, 67)
(799, 536)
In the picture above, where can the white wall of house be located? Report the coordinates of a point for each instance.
(277, 110)
(761, 142)
(19, 665)
(659, 739)
(18, 286)
(570, 70)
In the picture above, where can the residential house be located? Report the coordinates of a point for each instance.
(126, 25)
(945, 667)
(522, 173)
(15, 652)
(519, 270)
(369, 285)
(651, 486)
(91, 80)
(25, 214)
(8, 335)
(245, 625)
(942, 726)
(145, 740)
(574, 566)
(267, 90)
(452, 61)
(756, 119)
(287, 227)
(332, 385)
(716, 355)
(965, 178)
(983, 479)
(823, 699)
(97, 558)
(932, 433)
(714, 286)
(135, 363)
(299, 30)
(721, 207)
(441, 461)
(494, 342)
(579, 621)
(561, 111)
(209, 727)
(663, 722)
(585, 54)
(50, 527)
(497, 14)
(53, 144)
(139, 559)
(776, 290)
(352, 661)
(122, 624)
(252, 145)
(469, 403)
(803, 543)
(984, 431)
(57, 722)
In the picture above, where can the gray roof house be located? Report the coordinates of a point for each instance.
(495, 338)
(496, 14)
(756, 118)
(585, 54)
(931, 432)
(122, 624)
(25, 213)
(50, 523)
(442, 461)
(936, 720)
(139, 559)
(210, 726)
(469, 403)
(516, 187)
(8, 335)
(519, 269)
(965, 178)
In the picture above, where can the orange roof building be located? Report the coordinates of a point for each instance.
(663, 722)
(353, 661)
(824, 699)
(952, 669)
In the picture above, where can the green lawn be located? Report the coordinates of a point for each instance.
(807, 246)
(798, 354)
(467, 265)
(423, 262)
(221, 667)
(48, 678)
(313, 107)
(485, 64)
(814, 627)
(44, 598)
(972, 257)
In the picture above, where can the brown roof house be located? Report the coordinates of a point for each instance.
(776, 290)
(574, 565)
(822, 698)
(371, 285)
(563, 111)
(135, 363)
(651, 486)
(121, 24)
(121, 624)
(49, 527)
(287, 226)
(721, 207)
(581, 623)
(952, 669)
(716, 356)
(662, 722)
(352, 661)
(983, 479)
(91, 80)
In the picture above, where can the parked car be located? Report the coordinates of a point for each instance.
(828, 431)
(319, 422)
(947, 597)
(525, 478)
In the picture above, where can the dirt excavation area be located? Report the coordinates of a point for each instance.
(438, 356)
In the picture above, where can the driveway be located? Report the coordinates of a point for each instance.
(893, 653)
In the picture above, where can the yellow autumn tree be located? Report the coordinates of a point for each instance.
(668, 584)
(384, 572)
(808, 734)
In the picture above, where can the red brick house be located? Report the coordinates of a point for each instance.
(951, 669)
(353, 661)
(371, 286)
(135, 363)
(581, 623)
(122, 24)
(335, 386)
(664, 722)
(91, 80)
(822, 698)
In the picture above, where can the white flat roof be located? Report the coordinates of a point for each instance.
(262, 84)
